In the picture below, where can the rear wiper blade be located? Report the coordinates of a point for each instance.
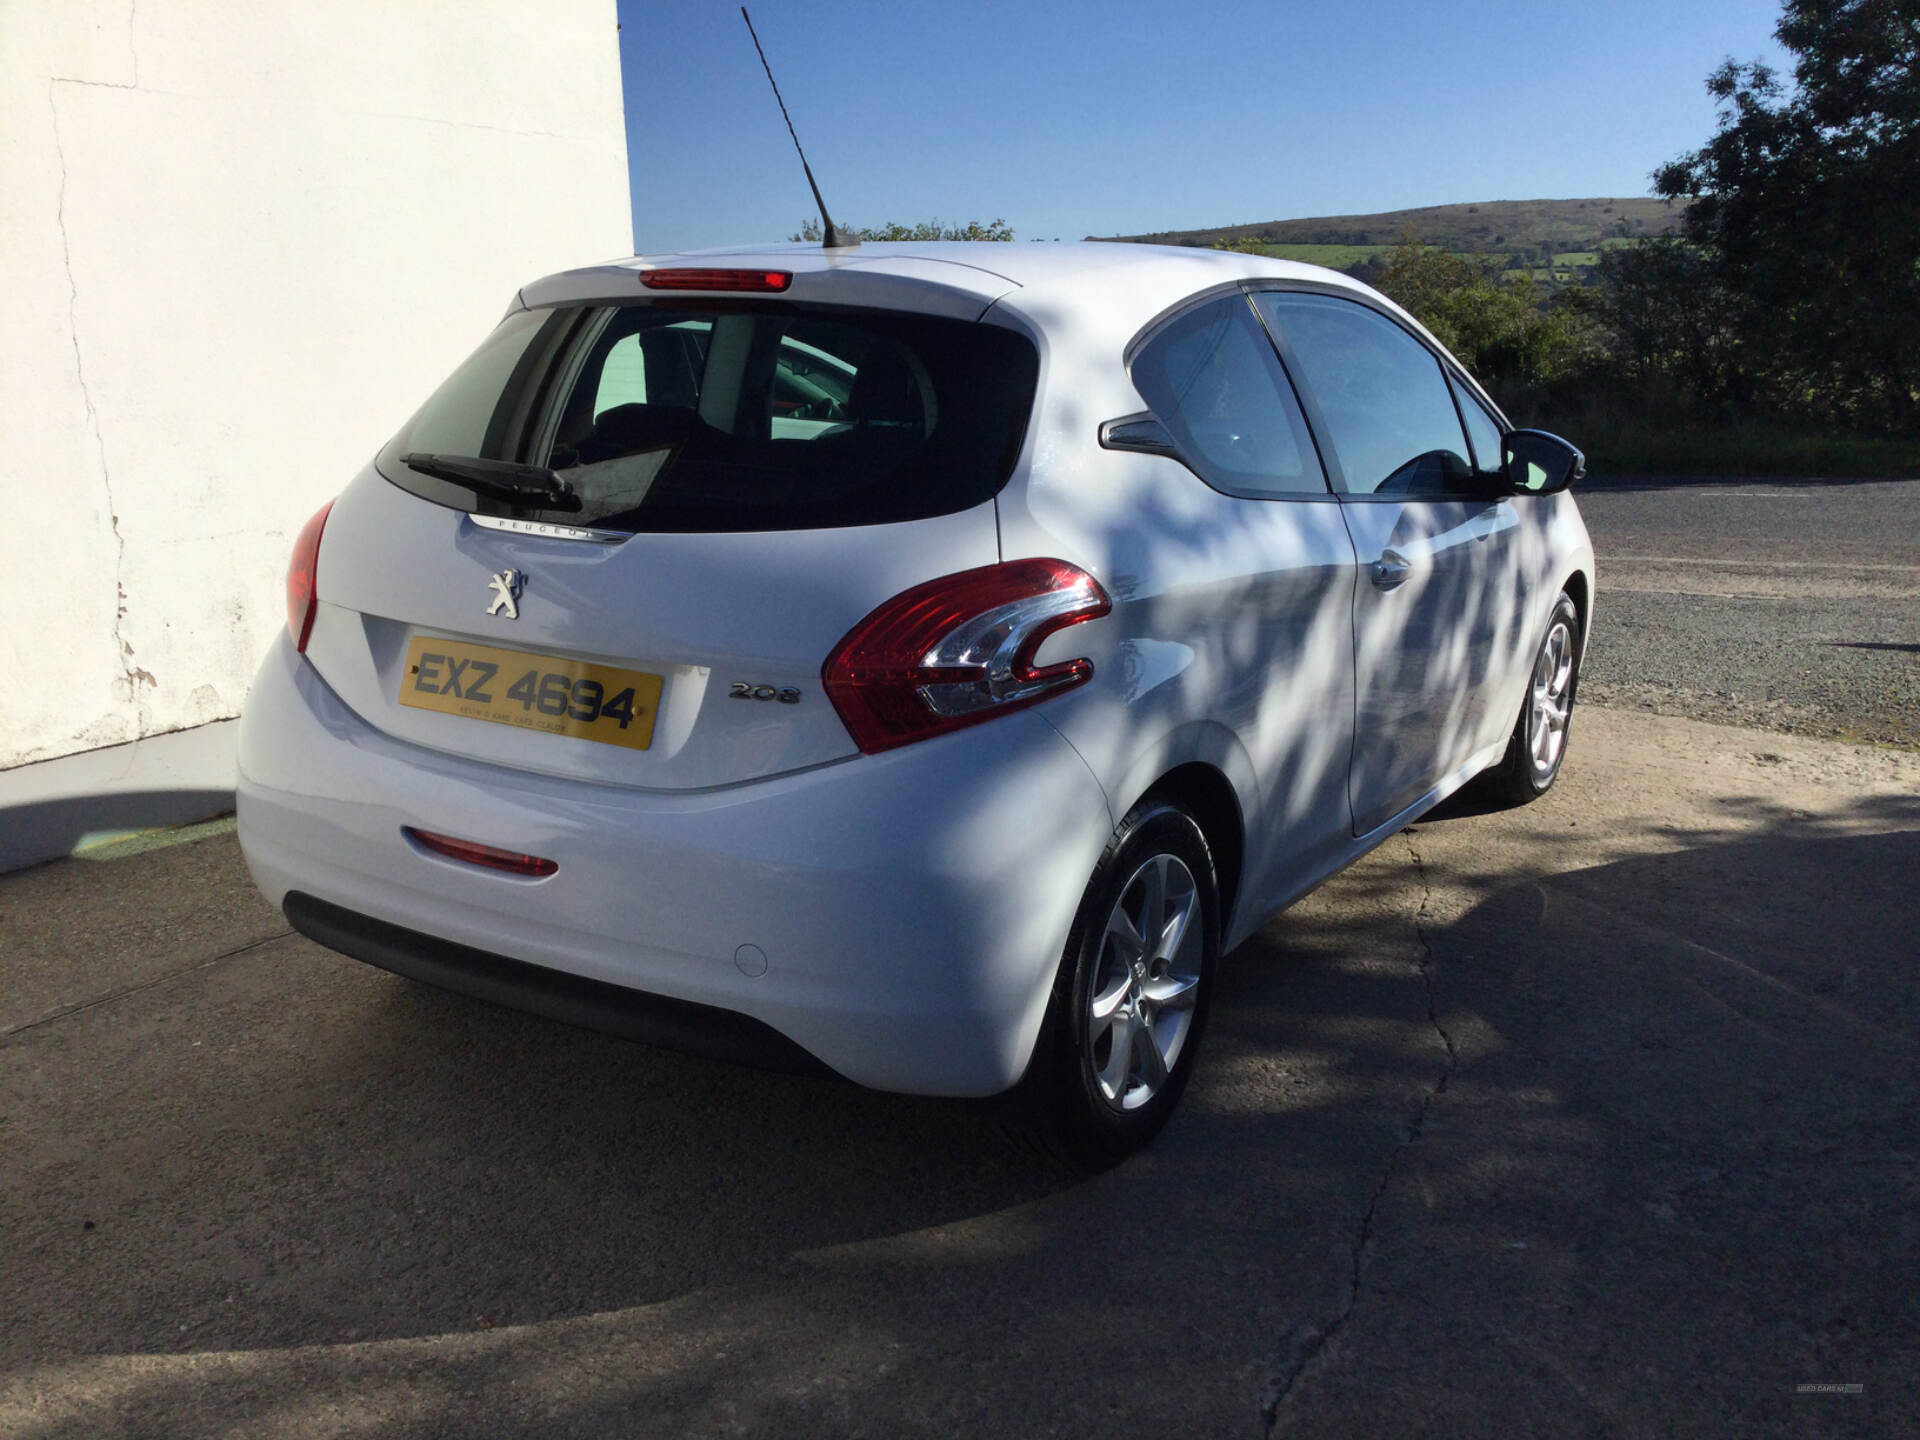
(499, 479)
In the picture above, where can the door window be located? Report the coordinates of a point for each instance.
(1213, 380)
(1382, 393)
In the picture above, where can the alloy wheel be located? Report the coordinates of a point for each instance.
(1140, 1005)
(1552, 702)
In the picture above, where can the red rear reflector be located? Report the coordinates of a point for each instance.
(302, 600)
(959, 650)
(764, 281)
(472, 853)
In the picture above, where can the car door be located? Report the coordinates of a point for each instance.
(1517, 560)
(1232, 576)
(1423, 529)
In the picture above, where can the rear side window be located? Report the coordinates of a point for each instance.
(1382, 393)
(670, 417)
(1212, 378)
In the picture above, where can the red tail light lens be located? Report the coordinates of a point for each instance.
(473, 853)
(762, 281)
(302, 600)
(959, 650)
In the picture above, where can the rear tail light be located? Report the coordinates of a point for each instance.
(302, 601)
(474, 853)
(959, 650)
(762, 281)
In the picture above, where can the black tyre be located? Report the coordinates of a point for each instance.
(1538, 745)
(1130, 1001)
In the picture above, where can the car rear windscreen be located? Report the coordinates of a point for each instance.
(697, 416)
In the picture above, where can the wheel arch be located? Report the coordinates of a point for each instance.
(1206, 794)
(1579, 589)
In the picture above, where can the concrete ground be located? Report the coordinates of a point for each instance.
(1592, 1118)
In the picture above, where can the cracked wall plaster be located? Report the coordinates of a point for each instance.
(212, 213)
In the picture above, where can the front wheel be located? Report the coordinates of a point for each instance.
(1539, 741)
(1130, 1001)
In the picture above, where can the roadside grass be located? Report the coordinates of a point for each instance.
(1618, 444)
(1651, 434)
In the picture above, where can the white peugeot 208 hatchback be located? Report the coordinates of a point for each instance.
(917, 662)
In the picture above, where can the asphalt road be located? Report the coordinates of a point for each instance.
(1594, 1118)
(1793, 606)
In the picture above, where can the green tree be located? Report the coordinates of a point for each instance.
(925, 230)
(1806, 204)
(1501, 329)
(1673, 327)
(1244, 245)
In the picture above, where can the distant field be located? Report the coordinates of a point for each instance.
(1334, 257)
(1490, 227)
(1568, 266)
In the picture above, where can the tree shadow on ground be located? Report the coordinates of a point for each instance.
(1632, 1149)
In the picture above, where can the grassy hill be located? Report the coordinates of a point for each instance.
(1533, 228)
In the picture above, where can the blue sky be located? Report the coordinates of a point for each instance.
(1075, 119)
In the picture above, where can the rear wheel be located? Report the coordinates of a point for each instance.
(1130, 1001)
(1539, 741)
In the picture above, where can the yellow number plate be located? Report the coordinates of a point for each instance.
(533, 692)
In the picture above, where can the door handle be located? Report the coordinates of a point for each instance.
(1390, 571)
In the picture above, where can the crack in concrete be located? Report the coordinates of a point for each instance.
(133, 675)
(1303, 1343)
(68, 1011)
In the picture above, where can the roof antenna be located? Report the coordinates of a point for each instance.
(836, 238)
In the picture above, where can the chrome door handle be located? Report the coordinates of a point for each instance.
(1390, 571)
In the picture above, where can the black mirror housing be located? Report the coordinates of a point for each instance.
(1536, 462)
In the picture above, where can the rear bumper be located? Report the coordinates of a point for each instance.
(591, 1004)
(911, 907)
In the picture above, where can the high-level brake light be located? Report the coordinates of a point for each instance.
(762, 281)
(959, 650)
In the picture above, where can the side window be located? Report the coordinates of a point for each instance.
(637, 363)
(1213, 379)
(623, 377)
(1382, 393)
(637, 388)
(1482, 430)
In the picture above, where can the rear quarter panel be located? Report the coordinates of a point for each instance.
(1230, 640)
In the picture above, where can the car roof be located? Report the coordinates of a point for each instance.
(957, 277)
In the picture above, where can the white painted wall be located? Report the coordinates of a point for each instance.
(240, 241)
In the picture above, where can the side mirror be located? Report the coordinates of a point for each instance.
(1535, 462)
(1143, 433)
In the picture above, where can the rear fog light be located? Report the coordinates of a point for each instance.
(512, 862)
